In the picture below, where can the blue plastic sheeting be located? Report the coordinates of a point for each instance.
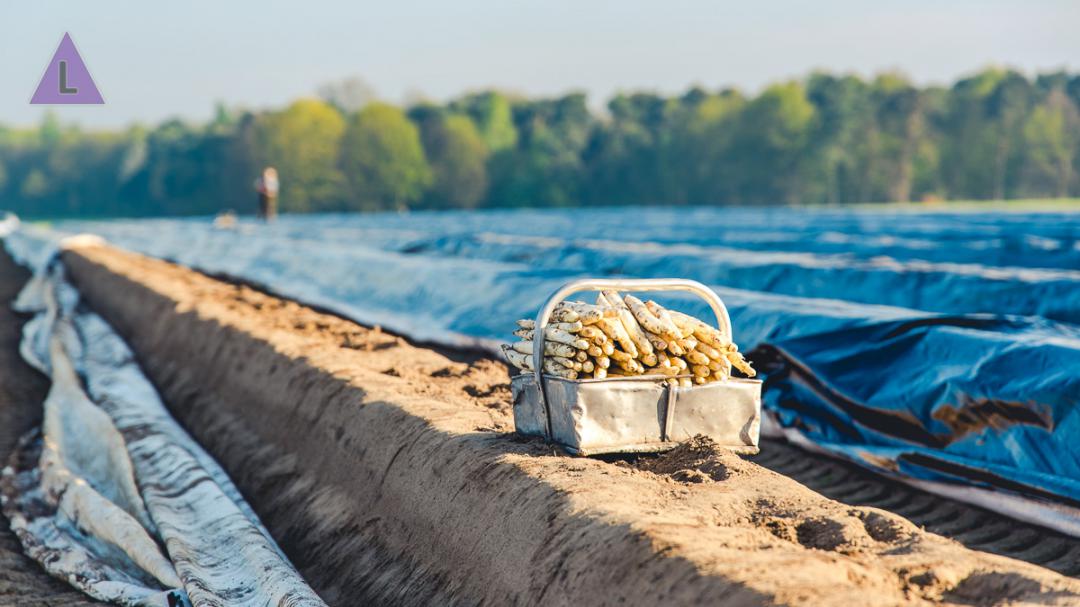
(920, 387)
(1045, 240)
(441, 298)
(988, 401)
(924, 274)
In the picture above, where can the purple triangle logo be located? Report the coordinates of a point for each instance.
(66, 80)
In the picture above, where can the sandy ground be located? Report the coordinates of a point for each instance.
(971, 526)
(22, 390)
(390, 474)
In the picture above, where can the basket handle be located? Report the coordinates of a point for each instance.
(723, 321)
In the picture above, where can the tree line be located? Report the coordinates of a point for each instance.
(824, 139)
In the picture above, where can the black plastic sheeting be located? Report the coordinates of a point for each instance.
(937, 346)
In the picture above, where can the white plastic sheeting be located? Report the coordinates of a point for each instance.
(112, 494)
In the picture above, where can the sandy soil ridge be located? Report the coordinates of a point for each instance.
(388, 473)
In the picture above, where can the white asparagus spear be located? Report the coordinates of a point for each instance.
(566, 327)
(664, 359)
(701, 331)
(517, 359)
(588, 314)
(562, 337)
(709, 351)
(662, 370)
(697, 358)
(551, 348)
(740, 363)
(569, 363)
(685, 322)
(626, 317)
(564, 315)
(660, 312)
(631, 366)
(569, 327)
(614, 329)
(553, 368)
(675, 347)
(657, 342)
(711, 337)
(724, 370)
(643, 316)
(593, 334)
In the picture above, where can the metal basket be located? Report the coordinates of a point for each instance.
(634, 414)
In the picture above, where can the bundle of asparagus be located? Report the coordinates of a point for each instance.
(623, 336)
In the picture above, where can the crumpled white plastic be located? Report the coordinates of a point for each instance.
(111, 494)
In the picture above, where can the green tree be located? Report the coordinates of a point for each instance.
(458, 159)
(303, 142)
(51, 131)
(545, 168)
(1052, 135)
(827, 139)
(698, 150)
(771, 137)
(35, 185)
(842, 138)
(971, 141)
(383, 159)
(623, 155)
(892, 138)
(492, 114)
(1007, 109)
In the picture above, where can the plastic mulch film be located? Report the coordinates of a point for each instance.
(111, 494)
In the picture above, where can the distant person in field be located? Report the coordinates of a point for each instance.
(267, 187)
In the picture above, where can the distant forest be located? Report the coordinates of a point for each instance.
(825, 139)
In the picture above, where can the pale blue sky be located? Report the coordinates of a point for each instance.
(154, 60)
